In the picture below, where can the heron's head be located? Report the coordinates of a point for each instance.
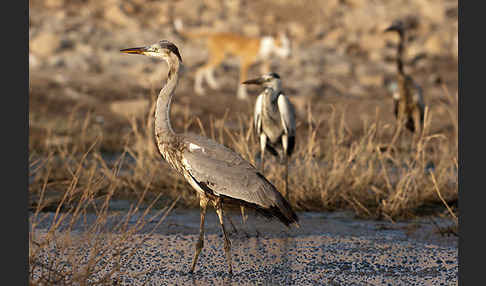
(163, 49)
(271, 80)
(397, 26)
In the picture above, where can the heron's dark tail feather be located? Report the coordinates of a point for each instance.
(281, 209)
(284, 213)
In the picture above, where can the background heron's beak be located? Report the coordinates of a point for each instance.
(392, 28)
(253, 81)
(139, 50)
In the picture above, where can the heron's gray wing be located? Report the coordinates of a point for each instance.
(211, 148)
(258, 114)
(214, 168)
(226, 173)
(287, 114)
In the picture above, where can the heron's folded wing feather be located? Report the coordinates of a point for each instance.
(287, 114)
(258, 114)
(235, 178)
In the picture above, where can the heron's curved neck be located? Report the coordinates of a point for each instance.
(163, 128)
(400, 48)
(269, 98)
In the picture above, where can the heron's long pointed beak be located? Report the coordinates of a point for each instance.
(393, 27)
(139, 50)
(253, 81)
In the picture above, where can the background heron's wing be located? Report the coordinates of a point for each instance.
(287, 114)
(418, 95)
(258, 114)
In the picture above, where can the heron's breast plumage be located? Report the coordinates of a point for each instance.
(271, 121)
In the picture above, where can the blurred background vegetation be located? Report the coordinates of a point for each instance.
(90, 115)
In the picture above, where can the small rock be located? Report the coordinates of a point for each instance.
(370, 42)
(333, 37)
(339, 68)
(433, 45)
(45, 44)
(115, 15)
(297, 30)
(371, 79)
(33, 61)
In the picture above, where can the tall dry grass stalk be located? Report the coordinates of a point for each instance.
(80, 242)
(332, 168)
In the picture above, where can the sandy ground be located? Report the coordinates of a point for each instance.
(328, 249)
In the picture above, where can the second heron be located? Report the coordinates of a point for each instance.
(274, 121)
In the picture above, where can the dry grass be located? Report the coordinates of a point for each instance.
(334, 167)
(72, 187)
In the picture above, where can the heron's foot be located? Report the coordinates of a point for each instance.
(257, 233)
(199, 246)
(227, 250)
(234, 230)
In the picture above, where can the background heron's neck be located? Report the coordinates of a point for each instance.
(400, 48)
(163, 128)
(269, 97)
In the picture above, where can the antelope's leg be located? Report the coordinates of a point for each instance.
(227, 242)
(198, 81)
(245, 64)
(210, 79)
(203, 202)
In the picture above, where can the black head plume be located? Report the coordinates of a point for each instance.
(171, 47)
(274, 75)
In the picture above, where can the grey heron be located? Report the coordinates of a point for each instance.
(274, 121)
(219, 175)
(408, 100)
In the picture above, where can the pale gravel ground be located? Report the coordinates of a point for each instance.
(329, 249)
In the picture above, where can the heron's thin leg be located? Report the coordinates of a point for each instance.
(203, 202)
(244, 217)
(285, 145)
(286, 177)
(227, 242)
(263, 146)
